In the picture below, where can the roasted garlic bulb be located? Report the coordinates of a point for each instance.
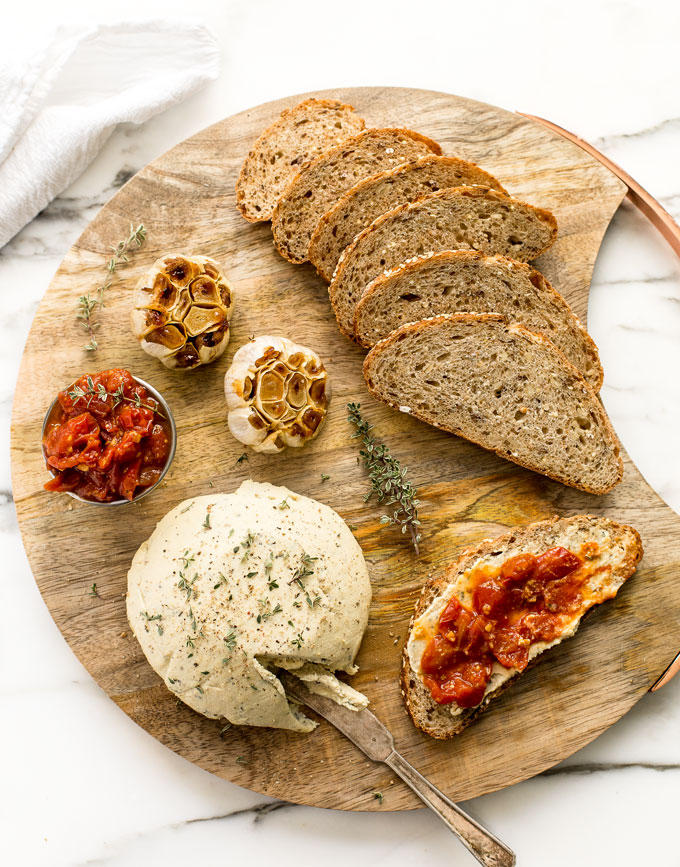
(277, 393)
(182, 307)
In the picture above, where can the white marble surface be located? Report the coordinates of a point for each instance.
(81, 784)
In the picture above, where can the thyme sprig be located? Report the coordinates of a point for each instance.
(187, 586)
(118, 396)
(388, 479)
(156, 617)
(90, 302)
(266, 610)
(304, 570)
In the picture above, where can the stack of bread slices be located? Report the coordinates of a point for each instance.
(426, 257)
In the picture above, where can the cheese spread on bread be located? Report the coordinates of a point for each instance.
(230, 587)
(601, 581)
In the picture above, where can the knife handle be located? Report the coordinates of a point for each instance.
(486, 848)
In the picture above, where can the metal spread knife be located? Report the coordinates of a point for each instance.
(659, 217)
(370, 735)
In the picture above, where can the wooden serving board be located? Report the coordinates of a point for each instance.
(186, 200)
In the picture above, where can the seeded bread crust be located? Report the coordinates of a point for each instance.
(380, 193)
(537, 374)
(466, 281)
(436, 720)
(278, 154)
(452, 219)
(323, 181)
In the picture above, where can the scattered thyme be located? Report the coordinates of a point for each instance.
(199, 689)
(266, 610)
(241, 760)
(186, 508)
(93, 590)
(230, 644)
(187, 586)
(206, 523)
(324, 477)
(246, 544)
(378, 796)
(222, 580)
(192, 617)
(186, 559)
(88, 304)
(172, 680)
(388, 479)
(244, 457)
(150, 619)
(225, 729)
(353, 526)
(298, 642)
(190, 643)
(284, 504)
(304, 570)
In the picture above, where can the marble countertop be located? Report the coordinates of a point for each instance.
(81, 784)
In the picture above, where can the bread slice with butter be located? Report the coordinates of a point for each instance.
(609, 552)
(502, 387)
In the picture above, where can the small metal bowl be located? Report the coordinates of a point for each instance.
(173, 445)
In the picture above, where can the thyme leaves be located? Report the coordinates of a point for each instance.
(89, 303)
(388, 479)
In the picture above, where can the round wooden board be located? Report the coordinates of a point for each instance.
(186, 200)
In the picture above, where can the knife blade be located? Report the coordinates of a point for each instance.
(366, 731)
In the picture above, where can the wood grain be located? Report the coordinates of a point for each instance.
(186, 200)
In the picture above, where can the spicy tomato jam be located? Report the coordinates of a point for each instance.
(527, 599)
(106, 438)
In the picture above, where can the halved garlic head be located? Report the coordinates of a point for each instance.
(182, 307)
(277, 394)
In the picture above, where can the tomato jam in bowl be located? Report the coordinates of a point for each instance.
(108, 439)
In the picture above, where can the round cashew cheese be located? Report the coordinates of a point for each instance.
(231, 587)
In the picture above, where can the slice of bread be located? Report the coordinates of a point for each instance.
(380, 193)
(321, 183)
(453, 219)
(299, 135)
(620, 552)
(503, 387)
(465, 281)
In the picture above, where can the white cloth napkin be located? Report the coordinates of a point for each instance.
(62, 103)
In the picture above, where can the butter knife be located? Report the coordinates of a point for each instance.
(370, 735)
(662, 221)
